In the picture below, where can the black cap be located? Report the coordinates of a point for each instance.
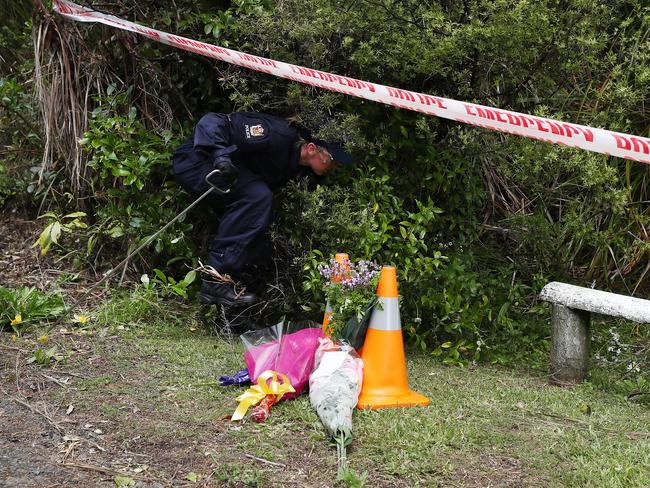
(338, 152)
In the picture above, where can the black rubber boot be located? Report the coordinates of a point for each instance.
(224, 294)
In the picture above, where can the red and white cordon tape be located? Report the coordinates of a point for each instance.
(592, 139)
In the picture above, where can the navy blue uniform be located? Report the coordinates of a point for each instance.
(265, 151)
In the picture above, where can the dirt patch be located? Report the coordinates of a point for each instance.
(19, 263)
(493, 470)
(32, 443)
(122, 426)
(45, 441)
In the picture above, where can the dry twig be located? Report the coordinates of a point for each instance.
(265, 461)
(36, 411)
(102, 469)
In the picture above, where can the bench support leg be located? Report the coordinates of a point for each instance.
(569, 345)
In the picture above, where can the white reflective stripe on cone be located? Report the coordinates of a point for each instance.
(385, 315)
(328, 307)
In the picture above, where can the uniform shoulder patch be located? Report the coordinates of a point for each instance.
(254, 130)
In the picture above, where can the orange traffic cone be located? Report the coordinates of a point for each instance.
(384, 365)
(343, 259)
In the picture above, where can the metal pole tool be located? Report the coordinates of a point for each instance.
(213, 187)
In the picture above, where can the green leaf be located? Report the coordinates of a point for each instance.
(189, 278)
(192, 476)
(120, 171)
(116, 231)
(90, 244)
(49, 236)
(124, 481)
(55, 232)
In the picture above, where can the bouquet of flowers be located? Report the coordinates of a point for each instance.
(350, 291)
(334, 389)
(279, 360)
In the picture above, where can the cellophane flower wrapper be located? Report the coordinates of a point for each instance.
(261, 348)
(262, 411)
(287, 347)
(335, 384)
(240, 378)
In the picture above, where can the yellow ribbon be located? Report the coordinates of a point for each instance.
(256, 394)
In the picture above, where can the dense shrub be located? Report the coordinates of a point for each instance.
(130, 189)
(475, 220)
(21, 177)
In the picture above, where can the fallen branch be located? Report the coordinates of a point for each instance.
(102, 469)
(12, 348)
(577, 423)
(265, 461)
(54, 380)
(77, 375)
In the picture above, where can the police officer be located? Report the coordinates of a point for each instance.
(256, 153)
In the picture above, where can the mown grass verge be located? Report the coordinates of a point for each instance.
(149, 373)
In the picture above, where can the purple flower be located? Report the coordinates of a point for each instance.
(351, 276)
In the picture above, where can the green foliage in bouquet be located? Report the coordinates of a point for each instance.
(350, 289)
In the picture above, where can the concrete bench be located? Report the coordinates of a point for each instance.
(570, 320)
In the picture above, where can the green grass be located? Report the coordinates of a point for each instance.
(485, 425)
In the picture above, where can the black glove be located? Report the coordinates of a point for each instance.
(225, 176)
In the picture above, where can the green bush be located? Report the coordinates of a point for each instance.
(20, 142)
(133, 195)
(25, 306)
(476, 221)
(442, 298)
(621, 353)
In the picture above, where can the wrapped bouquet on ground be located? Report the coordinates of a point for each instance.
(334, 389)
(279, 360)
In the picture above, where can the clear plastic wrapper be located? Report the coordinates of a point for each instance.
(354, 330)
(334, 387)
(287, 347)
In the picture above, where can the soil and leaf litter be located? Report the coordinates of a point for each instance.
(137, 373)
(132, 397)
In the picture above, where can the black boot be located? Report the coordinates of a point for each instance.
(225, 294)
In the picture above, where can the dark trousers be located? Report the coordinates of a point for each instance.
(246, 214)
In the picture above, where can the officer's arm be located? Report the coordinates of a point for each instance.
(212, 141)
(212, 135)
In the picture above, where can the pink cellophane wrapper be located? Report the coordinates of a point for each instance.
(287, 347)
